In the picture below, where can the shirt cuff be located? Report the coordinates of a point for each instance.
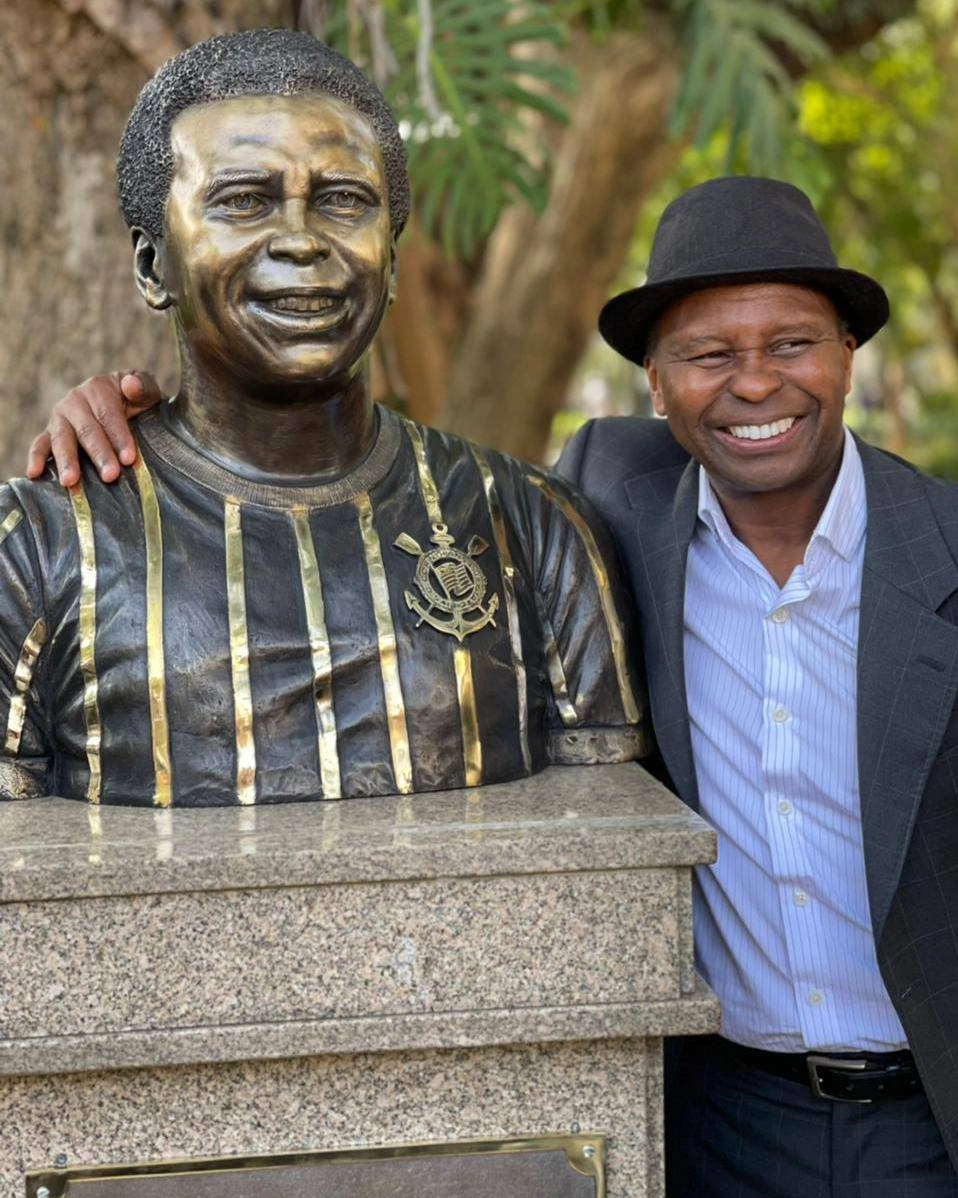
(598, 746)
(22, 779)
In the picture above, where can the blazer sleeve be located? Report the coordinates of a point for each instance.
(569, 465)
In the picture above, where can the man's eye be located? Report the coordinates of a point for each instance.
(714, 357)
(790, 348)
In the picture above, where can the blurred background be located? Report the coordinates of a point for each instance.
(544, 141)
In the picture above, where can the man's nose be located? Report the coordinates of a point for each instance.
(296, 236)
(754, 378)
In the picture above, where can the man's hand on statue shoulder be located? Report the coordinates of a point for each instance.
(94, 417)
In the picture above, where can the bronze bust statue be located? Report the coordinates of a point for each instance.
(294, 593)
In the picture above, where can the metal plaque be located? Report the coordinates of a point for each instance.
(541, 1167)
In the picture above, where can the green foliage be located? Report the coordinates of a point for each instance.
(470, 78)
(884, 125)
(735, 78)
(874, 143)
(464, 88)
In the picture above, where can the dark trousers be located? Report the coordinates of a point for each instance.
(736, 1132)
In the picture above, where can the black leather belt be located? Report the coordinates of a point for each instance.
(841, 1076)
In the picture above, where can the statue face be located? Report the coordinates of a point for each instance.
(277, 251)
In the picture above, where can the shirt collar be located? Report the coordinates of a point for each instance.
(841, 524)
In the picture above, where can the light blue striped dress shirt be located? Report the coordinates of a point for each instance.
(782, 925)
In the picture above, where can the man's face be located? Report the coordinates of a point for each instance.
(753, 380)
(277, 249)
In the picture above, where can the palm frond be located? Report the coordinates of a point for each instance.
(735, 78)
(480, 156)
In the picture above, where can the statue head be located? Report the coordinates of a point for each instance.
(265, 182)
(258, 62)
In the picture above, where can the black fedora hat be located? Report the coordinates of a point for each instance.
(739, 230)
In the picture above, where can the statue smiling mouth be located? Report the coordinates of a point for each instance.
(304, 303)
(306, 310)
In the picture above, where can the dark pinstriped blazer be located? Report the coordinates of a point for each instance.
(646, 488)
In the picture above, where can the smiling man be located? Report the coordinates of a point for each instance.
(291, 593)
(798, 600)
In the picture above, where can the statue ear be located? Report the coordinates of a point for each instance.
(148, 271)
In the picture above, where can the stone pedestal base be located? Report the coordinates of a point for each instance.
(490, 964)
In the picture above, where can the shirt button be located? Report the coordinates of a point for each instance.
(816, 998)
(780, 715)
(780, 615)
(784, 807)
(801, 898)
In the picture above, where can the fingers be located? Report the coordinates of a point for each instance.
(76, 422)
(37, 456)
(140, 390)
(108, 440)
(94, 417)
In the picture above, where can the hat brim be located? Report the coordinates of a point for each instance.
(626, 321)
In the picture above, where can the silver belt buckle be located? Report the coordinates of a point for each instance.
(813, 1062)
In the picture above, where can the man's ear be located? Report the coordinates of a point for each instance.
(393, 268)
(849, 345)
(655, 392)
(148, 271)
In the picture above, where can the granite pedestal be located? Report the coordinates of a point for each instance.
(470, 965)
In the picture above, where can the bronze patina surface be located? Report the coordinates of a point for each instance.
(543, 1167)
(293, 594)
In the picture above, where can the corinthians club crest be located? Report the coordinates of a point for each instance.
(451, 584)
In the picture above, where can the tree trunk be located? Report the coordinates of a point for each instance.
(423, 325)
(70, 73)
(68, 307)
(544, 278)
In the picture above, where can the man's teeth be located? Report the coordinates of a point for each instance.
(761, 432)
(304, 303)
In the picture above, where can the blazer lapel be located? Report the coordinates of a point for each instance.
(663, 518)
(907, 665)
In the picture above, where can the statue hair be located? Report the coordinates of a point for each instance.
(257, 62)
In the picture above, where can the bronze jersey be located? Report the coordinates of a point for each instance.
(443, 616)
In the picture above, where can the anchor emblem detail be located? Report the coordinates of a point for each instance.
(451, 584)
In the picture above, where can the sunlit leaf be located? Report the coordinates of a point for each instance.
(734, 76)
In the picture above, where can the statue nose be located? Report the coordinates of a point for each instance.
(296, 238)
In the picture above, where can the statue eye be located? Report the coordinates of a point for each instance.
(343, 200)
(246, 203)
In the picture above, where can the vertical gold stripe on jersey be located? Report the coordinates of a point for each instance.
(427, 484)
(155, 663)
(509, 588)
(468, 715)
(9, 523)
(388, 657)
(557, 680)
(616, 639)
(321, 657)
(87, 620)
(471, 742)
(36, 638)
(239, 654)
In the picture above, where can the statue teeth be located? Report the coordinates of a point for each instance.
(304, 303)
